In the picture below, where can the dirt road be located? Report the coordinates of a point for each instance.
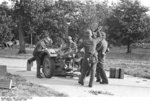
(127, 87)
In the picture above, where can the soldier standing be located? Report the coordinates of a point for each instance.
(42, 44)
(101, 49)
(90, 58)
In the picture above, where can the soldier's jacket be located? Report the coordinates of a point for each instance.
(101, 49)
(42, 44)
(90, 46)
(71, 46)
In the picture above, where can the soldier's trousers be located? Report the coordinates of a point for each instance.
(38, 62)
(100, 73)
(85, 67)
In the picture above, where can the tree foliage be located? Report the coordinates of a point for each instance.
(126, 24)
(6, 23)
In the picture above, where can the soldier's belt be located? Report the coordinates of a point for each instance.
(92, 58)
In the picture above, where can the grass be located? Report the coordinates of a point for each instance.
(25, 90)
(136, 64)
(13, 53)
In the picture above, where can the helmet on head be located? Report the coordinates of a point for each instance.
(88, 33)
(69, 38)
(45, 33)
(103, 35)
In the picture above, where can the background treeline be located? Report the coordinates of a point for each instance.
(125, 23)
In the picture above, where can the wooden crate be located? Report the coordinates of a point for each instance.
(3, 70)
(29, 66)
(112, 72)
(116, 73)
(121, 73)
(5, 83)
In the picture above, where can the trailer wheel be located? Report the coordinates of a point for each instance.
(48, 66)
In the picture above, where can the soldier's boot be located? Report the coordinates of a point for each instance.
(82, 76)
(81, 83)
(91, 78)
(98, 79)
(39, 76)
(38, 73)
(81, 79)
(92, 74)
(103, 76)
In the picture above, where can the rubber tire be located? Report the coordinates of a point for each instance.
(48, 66)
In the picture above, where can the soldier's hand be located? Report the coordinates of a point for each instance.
(103, 54)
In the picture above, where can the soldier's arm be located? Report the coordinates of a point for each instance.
(51, 42)
(98, 47)
(74, 47)
(42, 45)
(104, 48)
(97, 41)
(80, 46)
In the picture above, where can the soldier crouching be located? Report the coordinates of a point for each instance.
(42, 44)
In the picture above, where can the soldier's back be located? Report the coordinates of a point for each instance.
(90, 46)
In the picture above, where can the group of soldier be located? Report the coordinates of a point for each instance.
(95, 47)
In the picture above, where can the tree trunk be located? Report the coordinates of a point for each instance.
(129, 50)
(21, 36)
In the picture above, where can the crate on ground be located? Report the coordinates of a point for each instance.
(5, 83)
(116, 73)
(3, 70)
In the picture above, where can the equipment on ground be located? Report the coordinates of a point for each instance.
(117, 73)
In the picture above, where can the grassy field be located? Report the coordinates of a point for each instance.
(25, 90)
(137, 63)
(13, 53)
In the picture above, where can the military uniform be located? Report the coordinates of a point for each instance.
(70, 46)
(101, 49)
(42, 44)
(90, 50)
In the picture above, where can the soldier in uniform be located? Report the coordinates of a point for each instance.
(101, 49)
(68, 52)
(70, 46)
(89, 61)
(42, 44)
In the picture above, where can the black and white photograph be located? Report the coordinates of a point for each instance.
(83, 49)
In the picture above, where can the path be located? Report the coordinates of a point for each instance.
(127, 87)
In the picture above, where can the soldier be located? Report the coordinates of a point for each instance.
(68, 52)
(42, 44)
(101, 49)
(89, 61)
(70, 46)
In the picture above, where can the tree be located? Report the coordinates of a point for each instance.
(126, 24)
(90, 15)
(6, 23)
(21, 15)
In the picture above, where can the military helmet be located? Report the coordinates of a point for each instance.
(45, 33)
(88, 33)
(69, 38)
(103, 35)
